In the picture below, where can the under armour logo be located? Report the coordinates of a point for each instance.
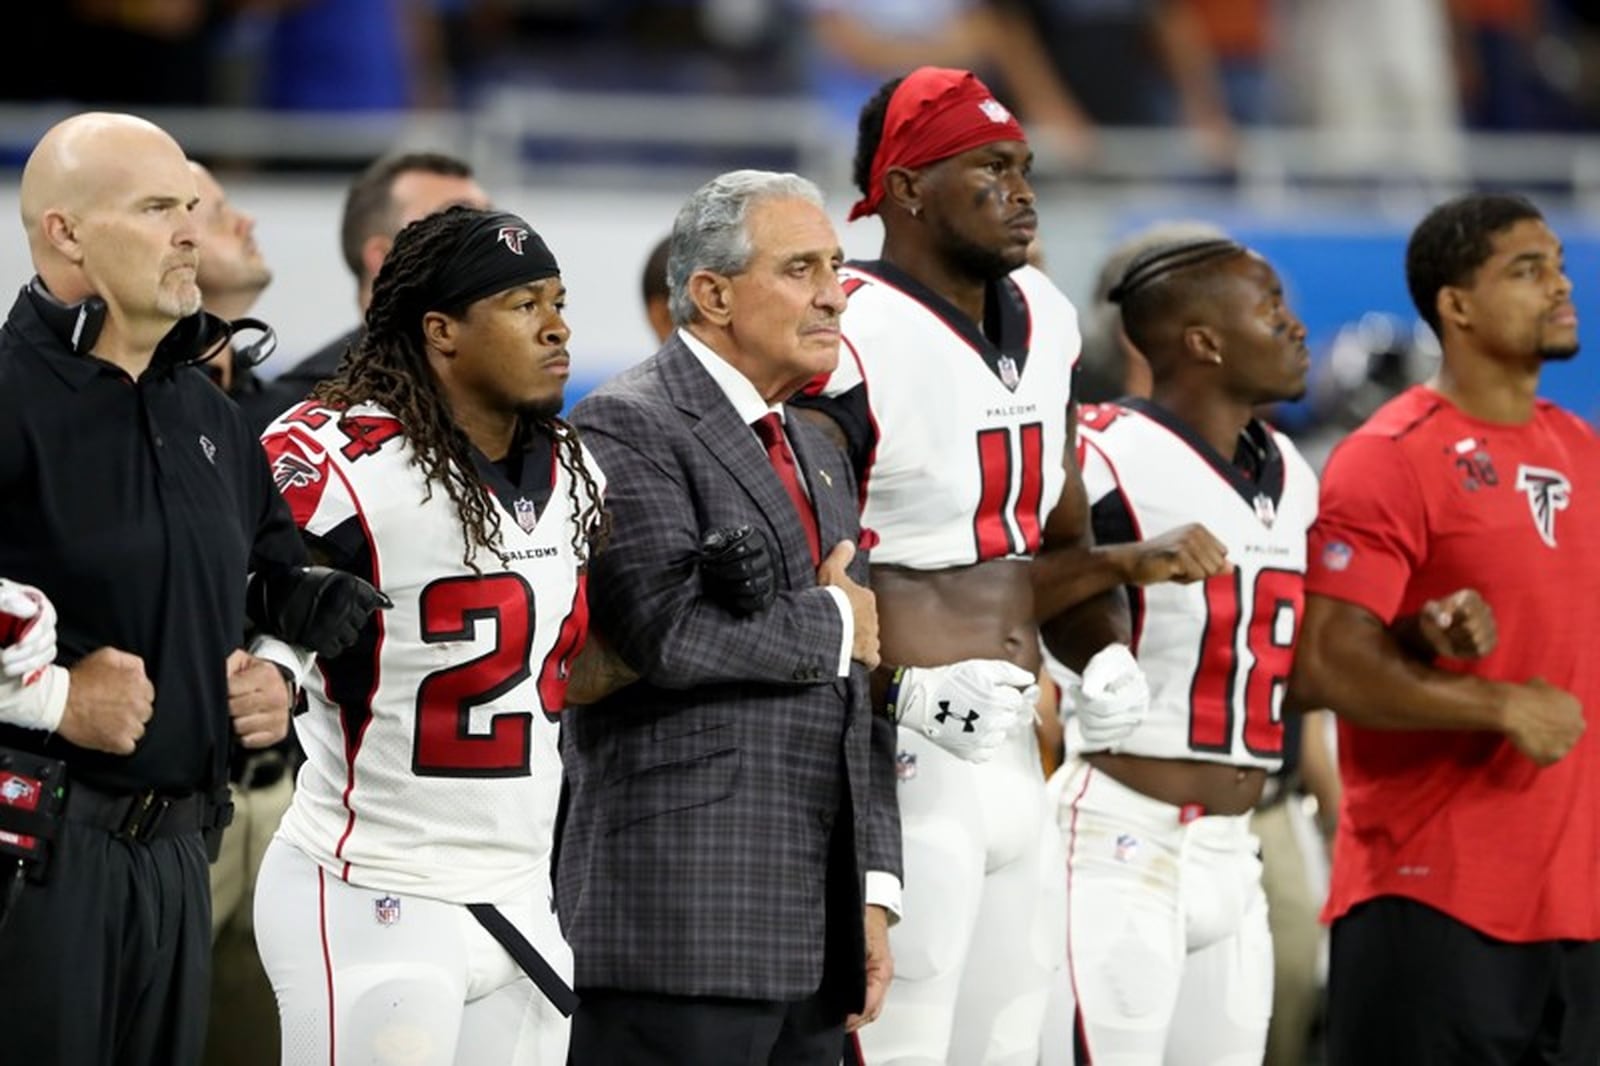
(969, 721)
(1548, 491)
(512, 237)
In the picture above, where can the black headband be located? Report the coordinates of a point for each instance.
(498, 252)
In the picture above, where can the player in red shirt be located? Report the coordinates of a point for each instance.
(1464, 905)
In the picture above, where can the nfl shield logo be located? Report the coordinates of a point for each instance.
(905, 765)
(1127, 846)
(527, 517)
(994, 111)
(386, 909)
(1008, 372)
(1265, 510)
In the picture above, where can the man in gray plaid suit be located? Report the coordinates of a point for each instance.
(731, 853)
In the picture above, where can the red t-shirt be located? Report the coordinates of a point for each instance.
(1417, 503)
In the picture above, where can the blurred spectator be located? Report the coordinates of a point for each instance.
(82, 50)
(1136, 63)
(391, 192)
(1241, 34)
(231, 277)
(855, 45)
(1378, 76)
(654, 286)
(353, 55)
(1497, 62)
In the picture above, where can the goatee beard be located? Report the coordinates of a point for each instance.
(541, 410)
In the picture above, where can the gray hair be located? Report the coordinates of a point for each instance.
(710, 232)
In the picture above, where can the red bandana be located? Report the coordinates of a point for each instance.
(935, 113)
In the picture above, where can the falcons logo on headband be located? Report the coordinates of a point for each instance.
(1548, 491)
(512, 237)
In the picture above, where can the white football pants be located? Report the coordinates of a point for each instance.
(372, 978)
(983, 931)
(1169, 958)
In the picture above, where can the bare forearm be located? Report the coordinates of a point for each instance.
(597, 672)
(1365, 676)
(1066, 577)
(1076, 634)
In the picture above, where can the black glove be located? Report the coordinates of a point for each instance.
(736, 569)
(314, 607)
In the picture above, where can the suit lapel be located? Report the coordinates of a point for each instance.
(822, 464)
(734, 446)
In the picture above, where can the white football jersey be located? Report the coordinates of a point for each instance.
(433, 765)
(1216, 653)
(969, 434)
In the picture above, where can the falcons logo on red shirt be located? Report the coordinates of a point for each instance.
(512, 237)
(1548, 491)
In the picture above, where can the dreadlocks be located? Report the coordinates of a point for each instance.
(389, 367)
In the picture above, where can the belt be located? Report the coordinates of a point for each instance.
(260, 769)
(139, 816)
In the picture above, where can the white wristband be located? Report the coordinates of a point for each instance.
(39, 705)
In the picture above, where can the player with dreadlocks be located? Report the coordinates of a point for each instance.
(406, 899)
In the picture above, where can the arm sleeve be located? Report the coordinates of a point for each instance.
(316, 497)
(1371, 527)
(277, 542)
(645, 592)
(885, 866)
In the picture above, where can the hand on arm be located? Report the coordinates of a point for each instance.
(1348, 661)
(260, 700)
(736, 569)
(1458, 626)
(314, 607)
(597, 672)
(27, 632)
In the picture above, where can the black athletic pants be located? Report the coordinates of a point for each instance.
(1410, 986)
(108, 964)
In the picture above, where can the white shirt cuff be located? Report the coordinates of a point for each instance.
(883, 890)
(847, 616)
(39, 705)
(295, 660)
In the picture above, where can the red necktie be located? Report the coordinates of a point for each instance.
(769, 428)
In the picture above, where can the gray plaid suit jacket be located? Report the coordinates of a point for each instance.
(721, 812)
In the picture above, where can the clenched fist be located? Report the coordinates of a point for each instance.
(108, 702)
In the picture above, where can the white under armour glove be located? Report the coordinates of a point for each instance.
(968, 708)
(27, 631)
(1112, 699)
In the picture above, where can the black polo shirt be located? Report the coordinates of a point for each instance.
(139, 507)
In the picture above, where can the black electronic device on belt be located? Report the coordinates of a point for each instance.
(32, 791)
